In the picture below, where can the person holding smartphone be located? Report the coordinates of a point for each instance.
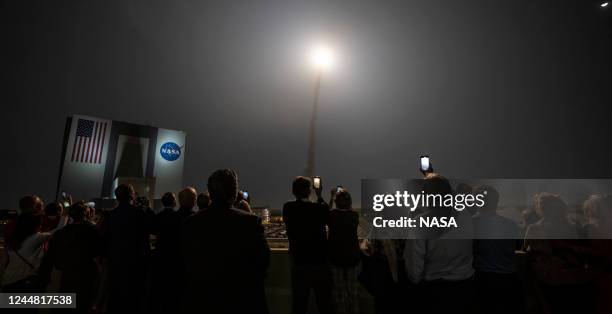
(441, 261)
(306, 224)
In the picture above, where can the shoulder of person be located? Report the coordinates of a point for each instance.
(322, 206)
(192, 222)
(243, 218)
(336, 211)
(289, 204)
(243, 214)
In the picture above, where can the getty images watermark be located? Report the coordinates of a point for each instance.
(412, 202)
(485, 208)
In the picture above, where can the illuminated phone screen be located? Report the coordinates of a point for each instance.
(425, 163)
(317, 182)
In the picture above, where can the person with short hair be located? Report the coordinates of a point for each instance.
(187, 200)
(203, 201)
(144, 204)
(125, 245)
(306, 224)
(224, 274)
(168, 200)
(74, 251)
(344, 252)
(496, 278)
(53, 213)
(29, 204)
(167, 270)
(166, 227)
(440, 259)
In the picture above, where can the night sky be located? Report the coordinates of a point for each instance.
(489, 89)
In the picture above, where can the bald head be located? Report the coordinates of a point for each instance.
(187, 197)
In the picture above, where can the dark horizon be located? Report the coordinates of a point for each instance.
(488, 89)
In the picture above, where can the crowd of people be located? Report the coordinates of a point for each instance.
(113, 267)
(556, 265)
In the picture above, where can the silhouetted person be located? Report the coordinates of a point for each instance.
(203, 201)
(27, 205)
(31, 204)
(306, 222)
(562, 274)
(226, 254)
(187, 200)
(144, 204)
(125, 239)
(554, 222)
(25, 253)
(166, 228)
(244, 206)
(344, 252)
(440, 261)
(380, 274)
(497, 283)
(53, 214)
(598, 218)
(168, 270)
(73, 250)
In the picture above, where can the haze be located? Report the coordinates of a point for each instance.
(489, 89)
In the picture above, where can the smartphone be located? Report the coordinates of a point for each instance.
(66, 204)
(425, 165)
(245, 195)
(316, 182)
(339, 189)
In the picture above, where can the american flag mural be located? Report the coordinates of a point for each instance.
(88, 143)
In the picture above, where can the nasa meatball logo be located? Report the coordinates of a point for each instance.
(170, 151)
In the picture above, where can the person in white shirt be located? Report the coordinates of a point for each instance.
(25, 251)
(441, 261)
